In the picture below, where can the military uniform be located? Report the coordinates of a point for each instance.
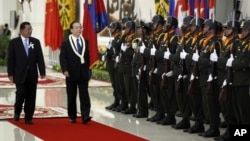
(167, 95)
(210, 95)
(112, 68)
(142, 80)
(241, 80)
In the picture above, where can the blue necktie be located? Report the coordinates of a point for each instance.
(79, 47)
(26, 46)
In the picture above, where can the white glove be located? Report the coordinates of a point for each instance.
(152, 51)
(179, 77)
(224, 83)
(192, 77)
(210, 78)
(214, 56)
(150, 73)
(103, 57)
(162, 76)
(134, 45)
(123, 47)
(183, 54)
(109, 44)
(137, 77)
(142, 48)
(170, 73)
(167, 54)
(195, 57)
(155, 70)
(230, 61)
(117, 59)
(144, 67)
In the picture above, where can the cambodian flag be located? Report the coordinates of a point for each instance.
(212, 9)
(95, 19)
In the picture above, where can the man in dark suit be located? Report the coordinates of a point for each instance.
(74, 61)
(25, 57)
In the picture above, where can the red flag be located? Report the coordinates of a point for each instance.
(196, 8)
(212, 9)
(53, 29)
(182, 13)
(95, 19)
(202, 9)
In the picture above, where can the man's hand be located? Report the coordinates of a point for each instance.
(43, 76)
(214, 56)
(109, 44)
(11, 78)
(230, 61)
(195, 56)
(183, 54)
(66, 73)
(152, 51)
(166, 54)
(123, 47)
(169, 74)
(142, 48)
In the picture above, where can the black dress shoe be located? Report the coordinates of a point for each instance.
(86, 120)
(211, 133)
(140, 115)
(16, 117)
(114, 105)
(196, 128)
(223, 124)
(28, 122)
(149, 119)
(72, 120)
(129, 111)
(168, 121)
(183, 124)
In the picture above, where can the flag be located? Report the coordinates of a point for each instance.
(171, 7)
(212, 9)
(190, 7)
(53, 29)
(182, 11)
(67, 12)
(95, 19)
(196, 8)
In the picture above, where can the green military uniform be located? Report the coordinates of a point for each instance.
(112, 69)
(195, 95)
(167, 95)
(143, 85)
(210, 100)
(150, 66)
(121, 92)
(183, 70)
(125, 69)
(241, 80)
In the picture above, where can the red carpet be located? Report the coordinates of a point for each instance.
(60, 129)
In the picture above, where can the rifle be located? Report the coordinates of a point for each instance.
(214, 74)
(143, 66)
(195, 74)
(228, 80)
(152, 77)
(182, 63)
(164, 81)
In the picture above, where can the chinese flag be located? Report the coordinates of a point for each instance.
(95, 19)
(53, 29)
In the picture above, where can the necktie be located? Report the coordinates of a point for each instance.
(79, 47)
(26, 46)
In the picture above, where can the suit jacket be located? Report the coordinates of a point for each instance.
(20, 65)
(70, 62)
